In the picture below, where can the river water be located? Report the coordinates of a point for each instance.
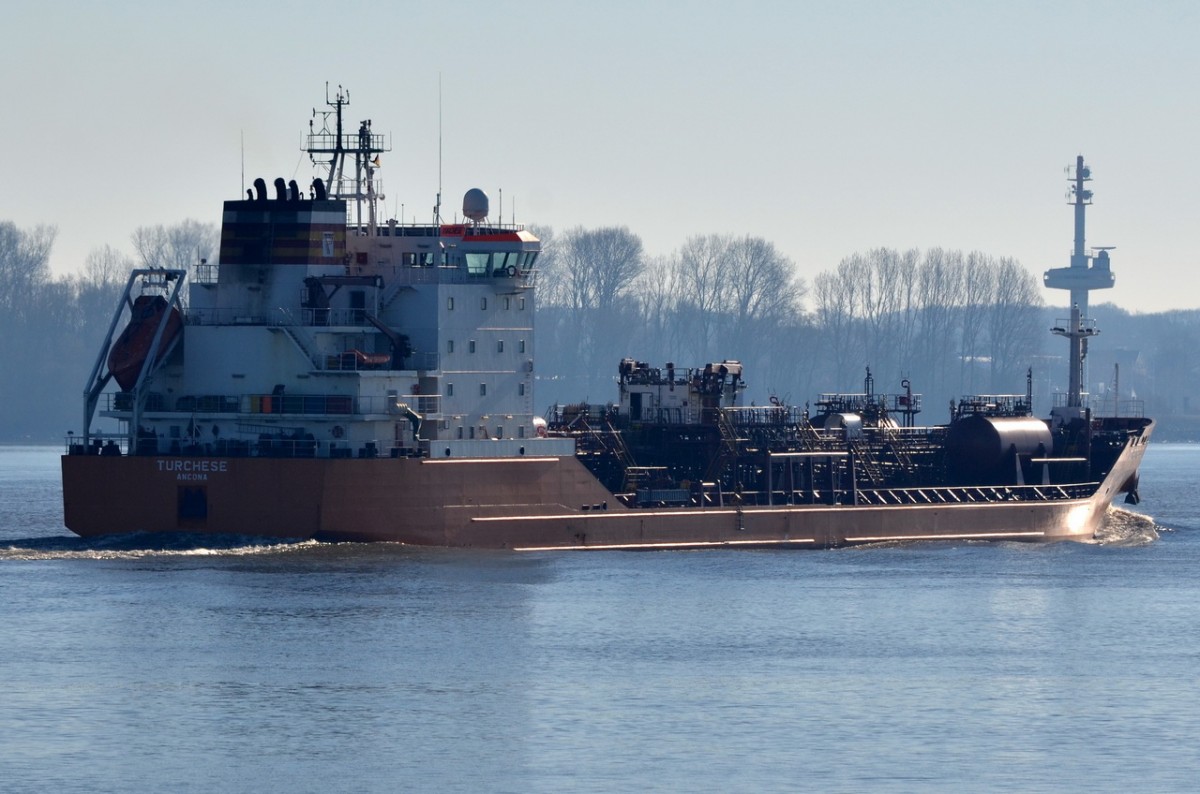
(182, 665)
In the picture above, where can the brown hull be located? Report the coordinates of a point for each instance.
(509, 503)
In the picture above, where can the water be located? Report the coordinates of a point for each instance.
(189, 665)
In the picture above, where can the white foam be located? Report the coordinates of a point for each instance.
(143, 547)
(1126, 528)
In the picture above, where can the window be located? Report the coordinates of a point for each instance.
(483, 390)
(521, 431)
(450, 303)
(449, 389)
(520, 389)
(521, 346)
(483, 304)
(507, 304)
(471, 432)
(460, 432)
(499, 345)
(499, 431)
(471, 346)
(477, 264)
(521, 304)
(449, 345)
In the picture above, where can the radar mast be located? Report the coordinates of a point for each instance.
(1085, 273)
(362, 186)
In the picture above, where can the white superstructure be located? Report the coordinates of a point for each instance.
(323, 332)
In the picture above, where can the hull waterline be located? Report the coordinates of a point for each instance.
(535, 503)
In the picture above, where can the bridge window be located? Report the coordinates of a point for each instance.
(477, 264)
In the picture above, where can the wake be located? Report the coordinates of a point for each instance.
(1126, 528)
(149, 546)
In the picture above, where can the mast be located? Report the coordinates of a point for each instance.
(1080, 278)
(361, 186)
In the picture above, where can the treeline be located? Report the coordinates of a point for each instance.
(51, 328)
(952, 323)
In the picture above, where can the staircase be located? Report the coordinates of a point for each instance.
(303, 341)
(731, 445)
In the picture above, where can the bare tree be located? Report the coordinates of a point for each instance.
(180, 246)
(599, 268)
(978, 288)
(837, 315)
(599, 265)
(24, 265)
(1012, 323)
(762, 286)
(658, 293)
(549, 284)
(702, 279)
(940, 285)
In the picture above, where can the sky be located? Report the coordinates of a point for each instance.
(826, 128)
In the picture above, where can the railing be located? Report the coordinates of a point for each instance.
(859, 403)
(995, 405)
(266, 446)
(293, 404)
(763, 415)
(1104, 406)
(279, 317)
(205, 273)
(397, 274)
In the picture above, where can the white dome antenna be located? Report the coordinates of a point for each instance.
(475, 204)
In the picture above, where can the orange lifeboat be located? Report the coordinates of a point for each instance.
(132, 347)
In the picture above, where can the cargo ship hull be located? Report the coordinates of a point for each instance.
(339, 376)
(521, 504)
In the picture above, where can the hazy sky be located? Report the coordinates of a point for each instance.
(826, 128)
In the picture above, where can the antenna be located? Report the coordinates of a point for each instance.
(437, 210)
(243, 136)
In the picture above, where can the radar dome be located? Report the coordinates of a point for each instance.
(475, 204)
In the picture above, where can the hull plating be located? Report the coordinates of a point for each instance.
(535, 503)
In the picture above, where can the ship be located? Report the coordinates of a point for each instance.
(341, 377)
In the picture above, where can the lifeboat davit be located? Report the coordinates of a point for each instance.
(132, 347)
